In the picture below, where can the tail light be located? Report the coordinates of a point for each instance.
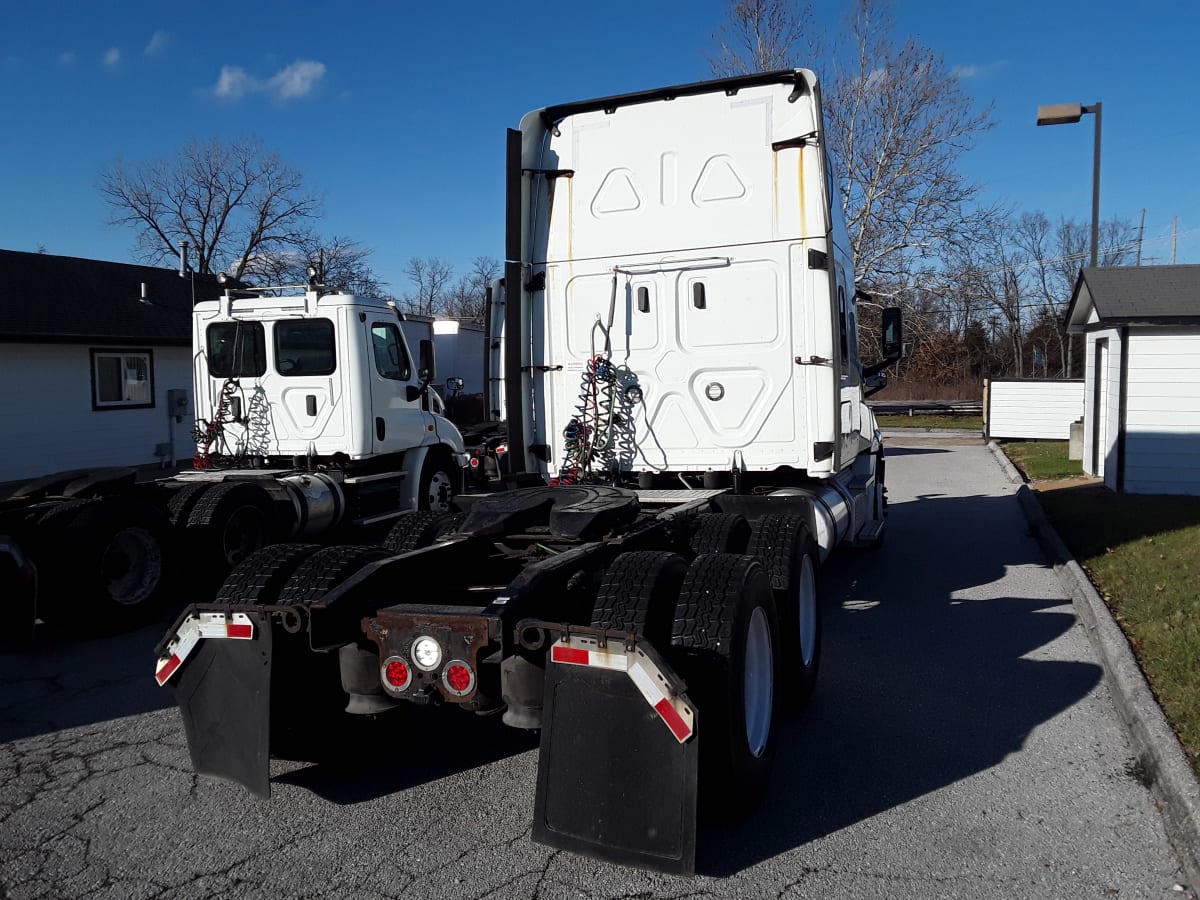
(395, 674)
(501, 448)
(457, 678)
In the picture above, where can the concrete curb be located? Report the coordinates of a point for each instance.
(1171, 779)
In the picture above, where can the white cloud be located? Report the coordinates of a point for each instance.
(297, 80)
(66, 58)
(233, 82)
(111, 58)
(294, 81)
(158, 43)
(976, 70)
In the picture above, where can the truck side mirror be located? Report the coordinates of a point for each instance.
(893, 333)
(427, 365)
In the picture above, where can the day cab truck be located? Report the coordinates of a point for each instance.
(687, 443)
(313, 416)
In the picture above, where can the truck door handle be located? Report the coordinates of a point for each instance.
(699, 300)
(310, 404)
(643, 299)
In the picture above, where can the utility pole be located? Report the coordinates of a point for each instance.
(1141, 231)
(1174, 237)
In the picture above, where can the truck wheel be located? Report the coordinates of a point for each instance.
(180, 506)
(789, 554)
(725, 641)
(261, 576)
(324, 570)
(232, 519)
(638, 594)
(720, 533)
(438, 483)
(415, 530)
(103, 555)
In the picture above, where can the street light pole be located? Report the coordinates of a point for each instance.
(1063, 114)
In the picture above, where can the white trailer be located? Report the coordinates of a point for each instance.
(688, 442)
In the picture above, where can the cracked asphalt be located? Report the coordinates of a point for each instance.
(961, 743)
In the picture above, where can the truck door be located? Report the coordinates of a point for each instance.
(305, 378)
(397, 423)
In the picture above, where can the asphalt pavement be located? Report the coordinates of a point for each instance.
(961, 743)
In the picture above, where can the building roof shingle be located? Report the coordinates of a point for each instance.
(1129, 295)
(65, 299)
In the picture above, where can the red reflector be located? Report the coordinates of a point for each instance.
(503, 448)
(674, 721)
(569, 655)
(474, 462)
(167, 670)
(239, 631)
(458, 677)
(396, 673)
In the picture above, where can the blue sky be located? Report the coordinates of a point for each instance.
(397, 111)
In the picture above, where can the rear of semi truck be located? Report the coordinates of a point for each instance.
(677, 337)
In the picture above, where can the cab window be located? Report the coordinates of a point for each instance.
(236, 349)
(391, 360)
(304, 347)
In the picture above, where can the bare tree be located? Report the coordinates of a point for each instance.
(340, 262)
(762, 36)
(235, 204)
(431, 279)
(468, 295)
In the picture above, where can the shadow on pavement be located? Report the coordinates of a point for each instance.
(918, 689)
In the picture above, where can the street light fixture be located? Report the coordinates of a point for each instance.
(1066, 114)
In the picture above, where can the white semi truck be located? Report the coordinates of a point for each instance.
(313, 414)
(687, 443)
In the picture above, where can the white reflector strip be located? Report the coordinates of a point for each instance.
(673, 710)
(236, 627)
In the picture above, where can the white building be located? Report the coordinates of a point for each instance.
(86, 367)
(1142, 379)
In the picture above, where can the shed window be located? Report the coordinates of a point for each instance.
(122, 379)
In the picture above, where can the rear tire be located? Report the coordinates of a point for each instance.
(415, 530)
(638, 594)
(789, 554)
(231, 520)
(725, 640)
(324, 570)
(720, 533)
(260, 577)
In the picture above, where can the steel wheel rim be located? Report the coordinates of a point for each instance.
(807, 611)
(243, 534)
(441, 488)
(758, 682)
(131, 566)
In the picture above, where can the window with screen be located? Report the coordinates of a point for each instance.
(122, 379)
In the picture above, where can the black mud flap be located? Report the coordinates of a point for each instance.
(224, 695)
(614, 782)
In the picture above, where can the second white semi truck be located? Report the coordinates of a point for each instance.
(687, 442)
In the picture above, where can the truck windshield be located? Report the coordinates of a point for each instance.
(304, 347)
(236, 349)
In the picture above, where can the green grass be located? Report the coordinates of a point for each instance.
(962, 423)
(1043, 459)
(1141, 553)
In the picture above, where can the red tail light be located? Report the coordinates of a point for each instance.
(458, 678)
(396, 674)
(474, 462)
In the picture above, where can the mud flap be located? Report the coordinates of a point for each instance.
(224, 696)
(614, 780)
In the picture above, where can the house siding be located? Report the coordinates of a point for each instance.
(1162, 414)
(1033, 409)
(49, 423)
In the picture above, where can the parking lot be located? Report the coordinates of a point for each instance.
(961, 743)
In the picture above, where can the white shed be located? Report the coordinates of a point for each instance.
(1142, 377)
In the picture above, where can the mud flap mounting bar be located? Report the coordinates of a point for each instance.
(618, 761)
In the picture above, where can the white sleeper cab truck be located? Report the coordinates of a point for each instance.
(312, 413)
(687, 443)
